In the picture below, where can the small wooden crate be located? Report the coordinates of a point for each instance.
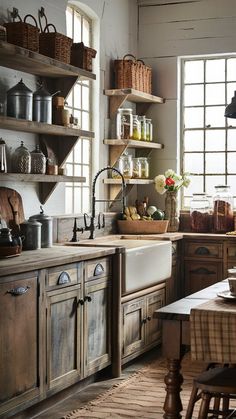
(55, 45)
(82, 56)
(23, 34)
(142, 226)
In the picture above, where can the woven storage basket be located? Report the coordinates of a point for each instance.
(142, 226)
(23, 34)
(132, 74)
(82, 56)
(54, 44)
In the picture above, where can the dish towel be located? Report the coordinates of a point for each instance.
(213, 331)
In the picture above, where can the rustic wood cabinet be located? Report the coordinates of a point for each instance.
(139, 330)
(203, 264)
(230, 251)
(21, 378)
(174, 285)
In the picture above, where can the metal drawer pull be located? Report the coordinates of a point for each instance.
(18, 290)
(88, 298)
(98, 269)
(80, 302)
(64, 278)
(202, 271)
(202, 251)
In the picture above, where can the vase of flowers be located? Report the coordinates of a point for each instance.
(169, 184)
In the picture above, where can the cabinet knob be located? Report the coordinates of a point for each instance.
(88, 298)
(80, 302)
(149, 318)
(18, 291)
(144, 321)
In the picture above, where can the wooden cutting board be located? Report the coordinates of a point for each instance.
(11, 208)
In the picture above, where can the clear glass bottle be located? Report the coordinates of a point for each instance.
(149, 130)
(200, 213)
(124, 124)
(136, 168)
(21, 159)
(144, 163)
(136, 128)
(142, 120)
(126, 166)
(223, 218)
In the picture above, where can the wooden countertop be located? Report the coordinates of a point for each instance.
(53, 256)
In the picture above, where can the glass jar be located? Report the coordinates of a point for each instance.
(136, 128)
(136, 168)
(223, 219)
(126, 166)
(21, 160)
(149, 130)
(124, 124)
(144, 163)
(142, 120)
(200, 213)
(38, 161)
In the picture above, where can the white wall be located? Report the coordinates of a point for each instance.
(117, 21)
(169, 29)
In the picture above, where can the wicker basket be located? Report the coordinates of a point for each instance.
(132, 74)
(142, 226)
(54, 44)
(82, 56)
(23, 34)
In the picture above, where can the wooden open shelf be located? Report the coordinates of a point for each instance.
(129, 181)
(133, 143)
(143, 100)
(25, 177)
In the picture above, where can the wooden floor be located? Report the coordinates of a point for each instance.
(57, 407)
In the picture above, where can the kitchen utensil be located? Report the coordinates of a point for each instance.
(21, 159)
(46, 230)
(6, 212)
(5, 237)
(15, 222)
(42, 105)
(20, 101)
(3, 160)
(31, 230)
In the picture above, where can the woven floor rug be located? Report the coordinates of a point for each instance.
(141, 395)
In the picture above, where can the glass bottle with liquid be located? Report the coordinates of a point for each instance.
(136, 168)
(144, 163)
(126, 166)
(142, 120)
(223, 217)
(149, 130)
(200, 213)
(136, 128)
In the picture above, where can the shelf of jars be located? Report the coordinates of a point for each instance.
(142, 99)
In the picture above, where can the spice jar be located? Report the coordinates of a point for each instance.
(126, 166)
(142, 120)
(124, 124)
(38, 161)
(136, 128)
(149, 130)
(200, 213)
(136, 168)
(21, 160)
(222, 209)
(144, 167)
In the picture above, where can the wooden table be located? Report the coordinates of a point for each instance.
(175, 338)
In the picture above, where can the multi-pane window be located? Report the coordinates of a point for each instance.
(208, 138)
(77, 195)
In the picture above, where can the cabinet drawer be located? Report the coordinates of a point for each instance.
(97, 268)
(231, 252)
(203, 250)
(62, 276)
(199, 275)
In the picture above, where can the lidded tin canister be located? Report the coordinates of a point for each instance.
(46, 230)
(31, 231)
(20, 102)
(42, 106)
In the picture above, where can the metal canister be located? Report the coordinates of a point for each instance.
(47, 230)
(42, 106)
(31, 231)
(20, 102)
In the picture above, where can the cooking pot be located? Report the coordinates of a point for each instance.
(46, 229)
(20, 101)
(42, 105)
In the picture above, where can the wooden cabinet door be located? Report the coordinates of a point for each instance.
(154, 301)
(133, 314)
(19, 340)
(97, 325)
(63, 337)
(199, 275)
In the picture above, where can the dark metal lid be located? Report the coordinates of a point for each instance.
(20, 89)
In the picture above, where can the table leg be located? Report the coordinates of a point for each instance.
(173, 381)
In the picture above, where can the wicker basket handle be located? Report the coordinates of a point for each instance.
(41, 14)
(47, 27)
(35, 21)
(15, 14)
(140, 61)
(129, 55)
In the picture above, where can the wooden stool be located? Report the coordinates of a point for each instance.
(219, 383)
